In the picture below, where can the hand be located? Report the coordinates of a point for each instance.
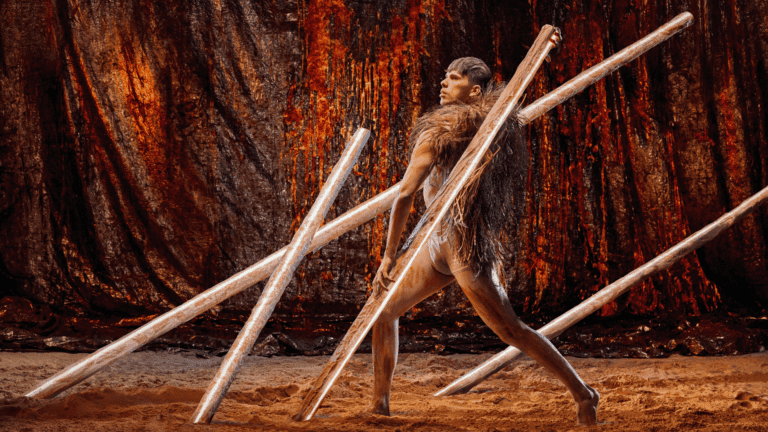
(383, 279)
(556, 37)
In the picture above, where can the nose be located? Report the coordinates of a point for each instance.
(444, 83)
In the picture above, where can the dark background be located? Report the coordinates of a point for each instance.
(149, 150)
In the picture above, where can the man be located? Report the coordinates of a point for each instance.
(464, 248)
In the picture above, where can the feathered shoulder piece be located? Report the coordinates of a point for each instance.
(450, 128)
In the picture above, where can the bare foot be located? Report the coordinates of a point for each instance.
(380, 407)
(588, 408)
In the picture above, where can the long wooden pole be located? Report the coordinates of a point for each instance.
(81, 370)
(607, 66)
(278, 281)
(611, 292)
(465, 167)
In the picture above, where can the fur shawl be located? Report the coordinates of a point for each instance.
(451, 127)
(488, 206)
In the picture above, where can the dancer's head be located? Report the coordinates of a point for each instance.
(465, 79)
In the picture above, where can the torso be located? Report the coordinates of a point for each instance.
(434, 182)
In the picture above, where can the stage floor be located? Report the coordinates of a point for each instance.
(155, 391)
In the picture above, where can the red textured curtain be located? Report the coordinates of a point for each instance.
(152, 149)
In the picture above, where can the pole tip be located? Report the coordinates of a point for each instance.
(200, 416)
(686, 16)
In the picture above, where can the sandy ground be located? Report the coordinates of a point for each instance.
(151, 391)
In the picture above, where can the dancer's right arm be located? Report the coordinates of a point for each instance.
(418, 170)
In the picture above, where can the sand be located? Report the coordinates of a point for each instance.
(155, 391)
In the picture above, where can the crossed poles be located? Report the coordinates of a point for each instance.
(308, 238)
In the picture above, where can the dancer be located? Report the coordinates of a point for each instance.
(467, 245)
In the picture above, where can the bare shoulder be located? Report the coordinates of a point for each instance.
(422, 160)
(424, 147)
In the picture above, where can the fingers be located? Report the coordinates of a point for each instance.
(382, 282)
(377, 286)
(381, 285)
(385, 277)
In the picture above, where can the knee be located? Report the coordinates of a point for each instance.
(385, 323)
(514, 332)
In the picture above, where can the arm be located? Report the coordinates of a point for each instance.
(418, 170)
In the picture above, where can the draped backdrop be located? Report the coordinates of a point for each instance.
(150, 150)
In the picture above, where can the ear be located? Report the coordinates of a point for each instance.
(476, 90)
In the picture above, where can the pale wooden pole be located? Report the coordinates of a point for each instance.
(81, 370)
(278, 281)
(465, 167)
(605, 67)
(609, 293)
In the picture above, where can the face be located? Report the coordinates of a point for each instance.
(457, 88)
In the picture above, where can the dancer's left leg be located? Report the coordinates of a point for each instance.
(492, 304)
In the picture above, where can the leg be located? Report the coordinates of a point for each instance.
(491, 303)
(421, 282)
